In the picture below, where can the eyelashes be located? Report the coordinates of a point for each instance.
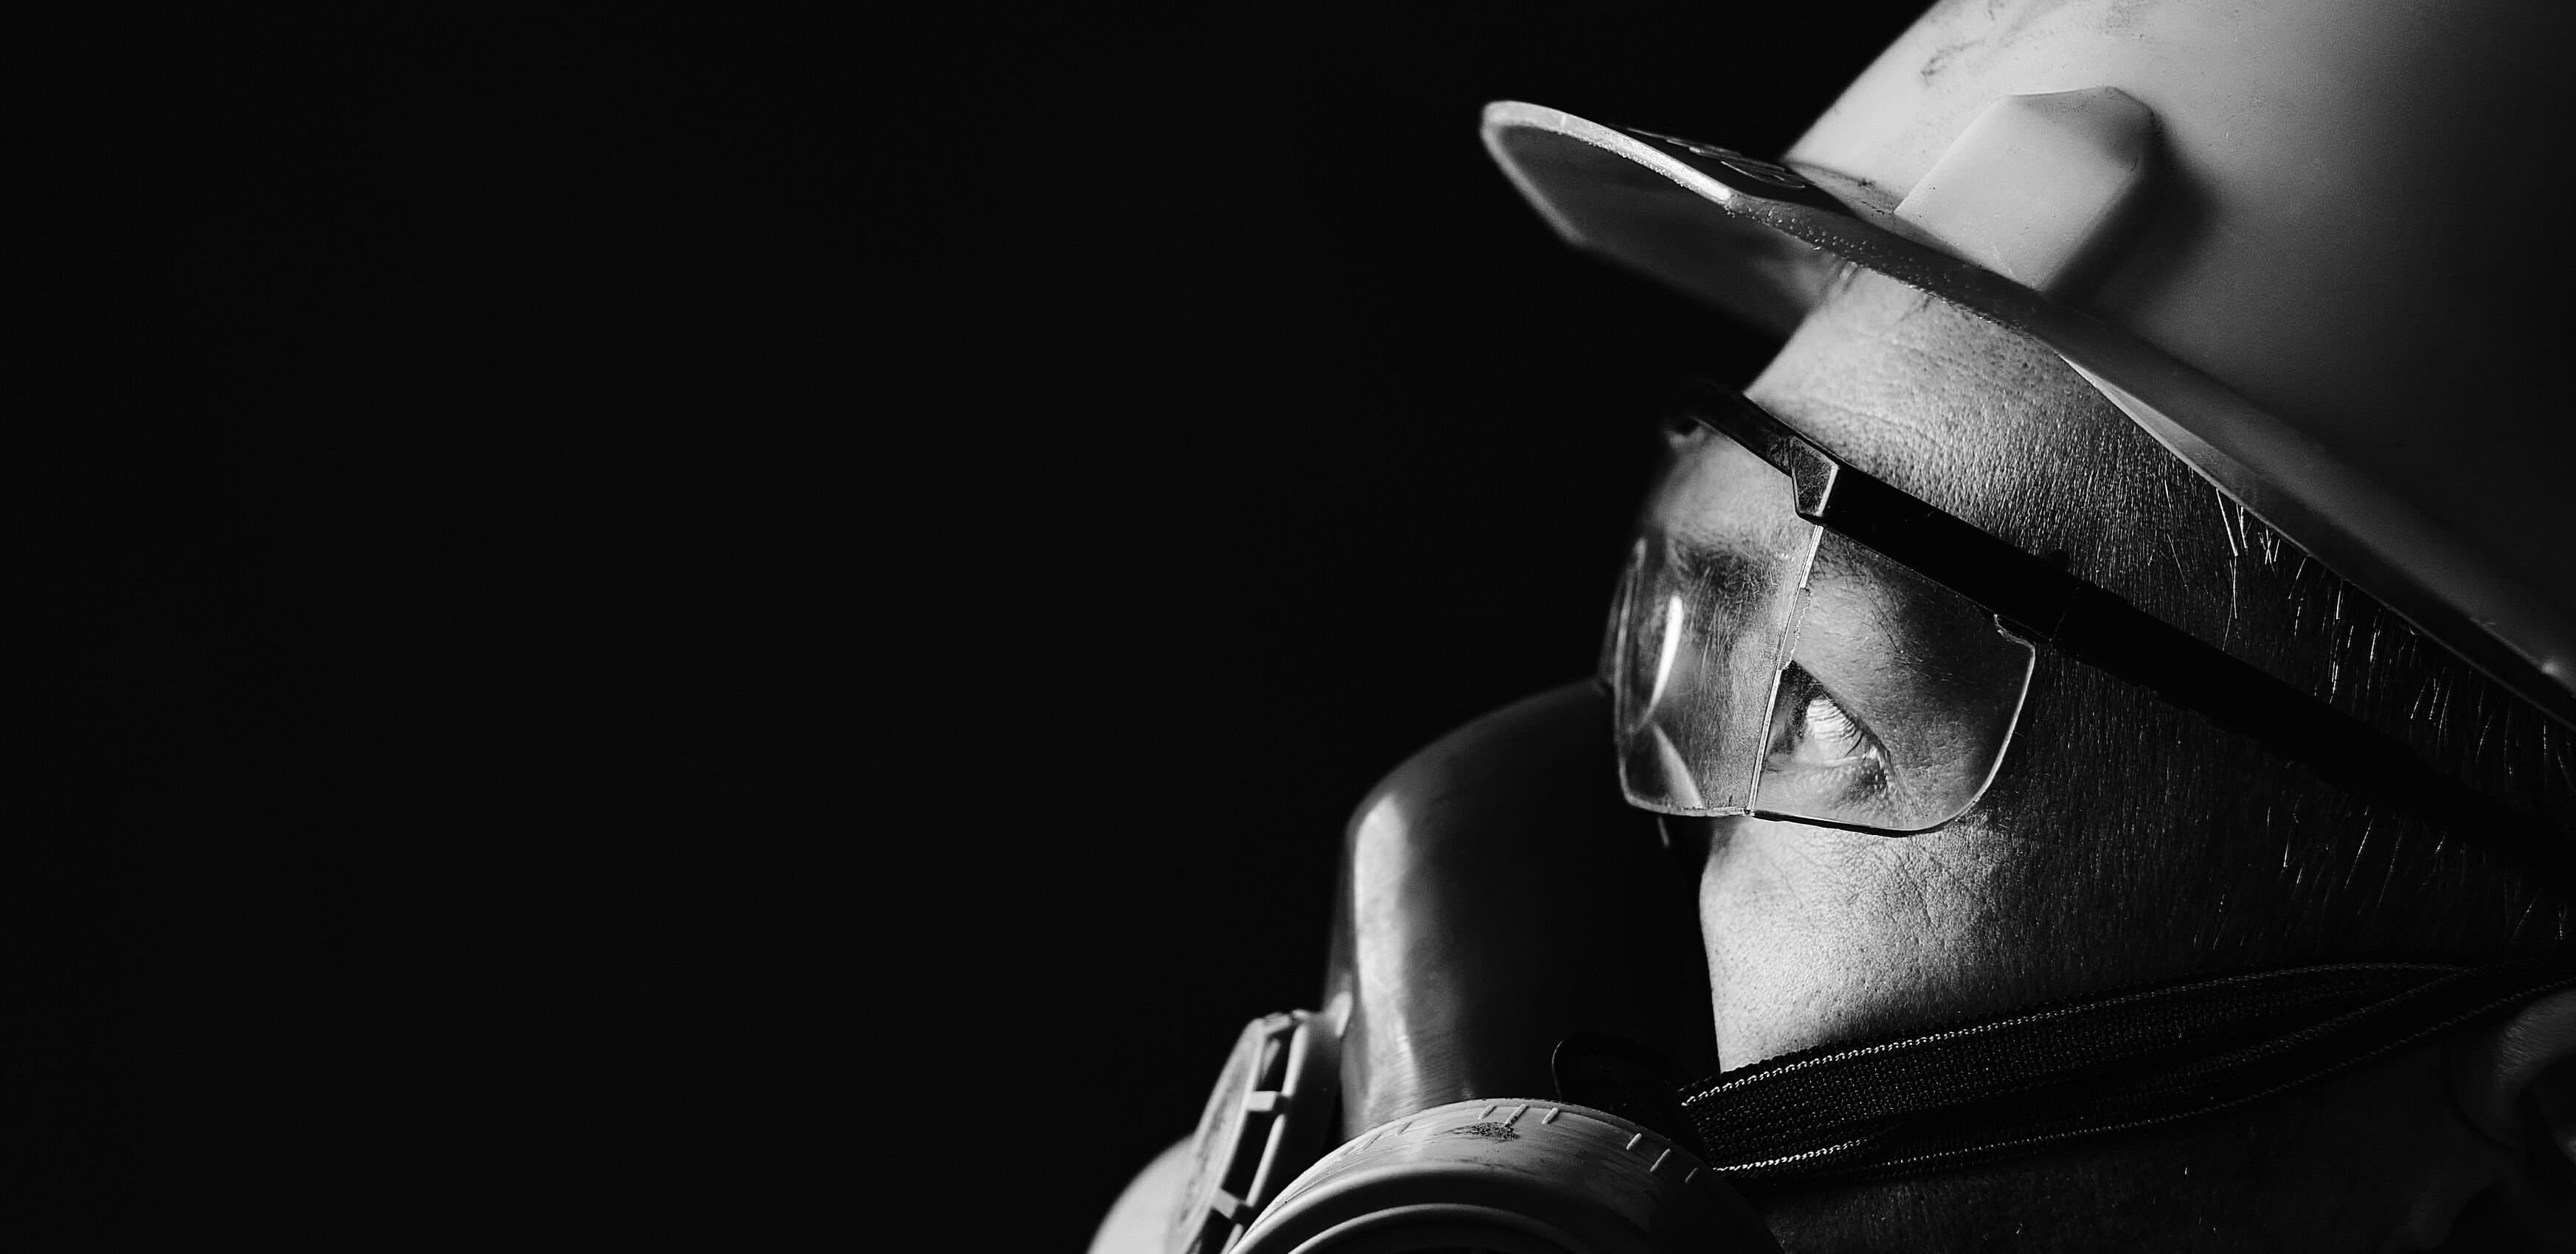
(1833, 731)
(1813, 735)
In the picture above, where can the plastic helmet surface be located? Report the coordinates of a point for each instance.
(2307, 243)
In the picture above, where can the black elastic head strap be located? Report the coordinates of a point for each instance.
(2081, 1069)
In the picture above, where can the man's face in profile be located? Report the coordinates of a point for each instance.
(1816, 934)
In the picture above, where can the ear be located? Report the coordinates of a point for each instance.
(2514, 1086)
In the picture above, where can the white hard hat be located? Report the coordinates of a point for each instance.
(2303, 242)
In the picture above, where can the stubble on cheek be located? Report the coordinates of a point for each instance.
(1816, 936)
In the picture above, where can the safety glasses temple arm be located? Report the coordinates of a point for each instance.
(2095, 627)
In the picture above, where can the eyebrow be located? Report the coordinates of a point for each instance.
(1906, 616)
(1907, 599)
(1895, 606)
(1702, 562)
(1896, 626)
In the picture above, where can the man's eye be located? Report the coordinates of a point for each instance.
(1810, 731)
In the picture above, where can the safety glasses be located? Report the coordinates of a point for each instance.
(1805, 642)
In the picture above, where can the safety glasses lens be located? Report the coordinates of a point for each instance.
(1761, 665)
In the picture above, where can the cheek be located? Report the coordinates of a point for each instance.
(1816, 936)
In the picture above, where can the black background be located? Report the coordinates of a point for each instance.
(674, 625)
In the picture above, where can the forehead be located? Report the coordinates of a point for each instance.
(1967, 416)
